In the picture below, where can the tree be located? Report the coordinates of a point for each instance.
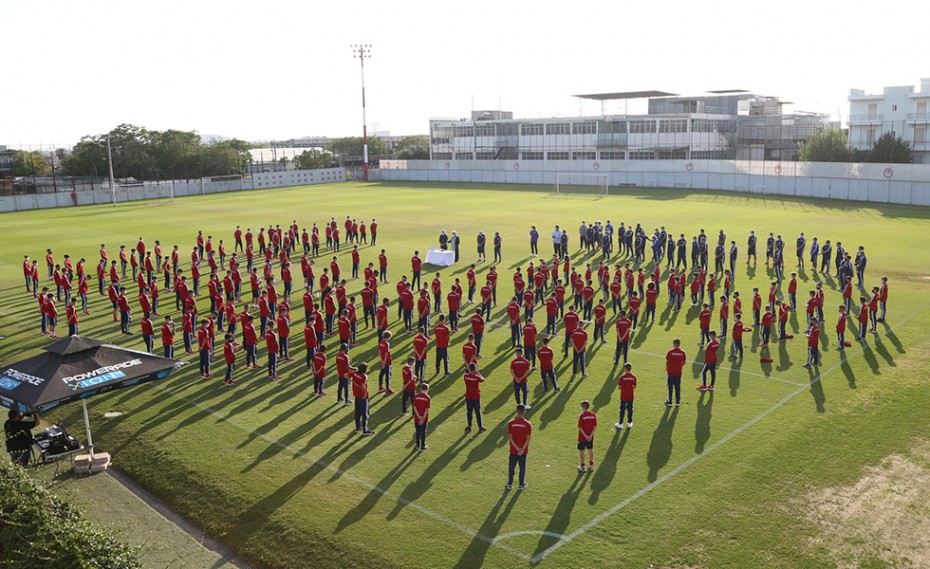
(891, 150)
(30, 164)
(826, 145)
(413, 148)
(349, 149)
(313, 159)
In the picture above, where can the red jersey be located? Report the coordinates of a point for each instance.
(579, 340)
(319, 365)
(271, 342)
(416, 264)
(545, 356)
(421, 405)
(384, 352)
(738, 330)
(359, 385)
(529, 334)
(710, 351)
(841, 324)
(675, 361)
(409, 378)
(627, 384)
(705, 319)
(473, 386)
(477, 324)
(442, 335)
(167, 335)
(382, 317)
(229, 353)
(520, 369)
(624, 325)
(519, 431)
(571, 321)
(813, 336)
(342, 365)
(587, 421)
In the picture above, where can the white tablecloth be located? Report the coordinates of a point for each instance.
(440, 258)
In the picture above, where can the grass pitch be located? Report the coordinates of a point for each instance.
(282, 478)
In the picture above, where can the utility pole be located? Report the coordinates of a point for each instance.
(110, 163)
(361, 51)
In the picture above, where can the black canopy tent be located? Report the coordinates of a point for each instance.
(73, 369)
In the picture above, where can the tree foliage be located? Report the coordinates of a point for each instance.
(413, 148)
(827, 145)
(30, 164)
(156, 155)
(313, 159)
(39, 529)
(891, 150)
(349, 149)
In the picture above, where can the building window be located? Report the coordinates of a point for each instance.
(559, 128)
(484, 130)
(894, 108)
(674, 125)
(642, 155)
(641, 127)
(703, 125)
(584, 155)
(532, 129)
(532, 155)
(612, 155)
(485, 155)
(463, 131)
(584, 128)
(442, 156)
(557, 156)
(508, 155)
(676, 154)
(463, 156)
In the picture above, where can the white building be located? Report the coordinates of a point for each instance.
(899, 110)
(691, 128)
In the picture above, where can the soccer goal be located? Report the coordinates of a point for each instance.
(580, 183)
(214, 184)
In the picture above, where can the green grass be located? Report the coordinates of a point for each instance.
(283, 480)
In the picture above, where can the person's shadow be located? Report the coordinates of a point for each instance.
(606, 471)
(660, 449)
(705, 406)
(474, 554)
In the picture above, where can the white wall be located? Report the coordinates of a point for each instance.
(882, 183)
(155, 190)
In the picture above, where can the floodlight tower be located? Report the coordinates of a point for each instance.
(361, 51)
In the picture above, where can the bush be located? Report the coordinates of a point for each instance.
(39, 529)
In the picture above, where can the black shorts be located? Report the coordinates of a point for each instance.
(585, 444)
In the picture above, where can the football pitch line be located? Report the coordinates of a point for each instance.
(678, 469)
(563, 539)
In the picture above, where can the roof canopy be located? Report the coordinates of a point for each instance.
(625, 95)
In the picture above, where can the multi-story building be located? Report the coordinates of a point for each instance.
(693, 128)
(6, 162)
(899, 110)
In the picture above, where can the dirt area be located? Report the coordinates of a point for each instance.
(883, 520)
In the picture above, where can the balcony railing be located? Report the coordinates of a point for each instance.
(918, 117)
(865, 118)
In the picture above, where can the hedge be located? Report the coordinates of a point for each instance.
(39, 529)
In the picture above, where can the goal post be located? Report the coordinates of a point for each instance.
(580, 183)
(229, 182)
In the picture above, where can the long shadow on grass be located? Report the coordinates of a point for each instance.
(358, 513)
(563, 512)
(660, 449)
(424, 482)
(605, 473)
(705, 404)
(820, 398)
(474, 554)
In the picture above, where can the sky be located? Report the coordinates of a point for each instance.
(284, 69)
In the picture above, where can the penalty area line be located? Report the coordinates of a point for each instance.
(681, 467)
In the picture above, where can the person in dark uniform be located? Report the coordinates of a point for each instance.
(751, 247)
(18, 430)
(826, 257)
(454, 243)
(497, 247)
(443, 241)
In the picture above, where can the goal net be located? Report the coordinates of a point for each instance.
(210, 184)
(580, 183)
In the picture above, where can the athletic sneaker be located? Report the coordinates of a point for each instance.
(509, 486)
(710, 387)
(806, 365)
(367, 433)
(678, 404)
(590, 468)
(527, 407)
(467, 430)
(482, 429)
(581, 468)
(701, 387)
(668, 403)
(423, 448)
(557, 389)
(348, 402)
(629, 425)
(389, 392)
(618, 425)
(522, 486)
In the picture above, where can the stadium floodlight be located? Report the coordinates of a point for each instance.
(362, 51)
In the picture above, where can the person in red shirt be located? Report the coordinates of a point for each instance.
(423, 311)
(454, 300)
(416, 267)
(704, 319)
(344, 326)
(546, 366)
(841, 330)
(384, 353)
(767, 319)
(519, 431)
(469, 351)
(477, 328)
(873, 310)
(319, 370)
(148, 332)
(436, 289)
(883, 299)
(421, 405)
(756, 306)
(382, 319)
(624, 328)
(863, 318)
(674, 364)
(344, 372)
(473, 381)
(204, 346)
(420, 349)
(626, 384)
(167, 337)
(360, 394)
(271, 344)
(710, 363)
(587, 424)
(783, 310)
(410, 379)
(249, 341)
(737, 346)
(813, 346)
(284, 333)
(442, 333)
(124, 312)
(519, 372)
(579, 352)
(600, 318)
(529, 341)
(72, 316)
(652, 294)
(724, 316)
(229, 354)
(793, 291)
(487, 298)
(633, 309)
(571, 321)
